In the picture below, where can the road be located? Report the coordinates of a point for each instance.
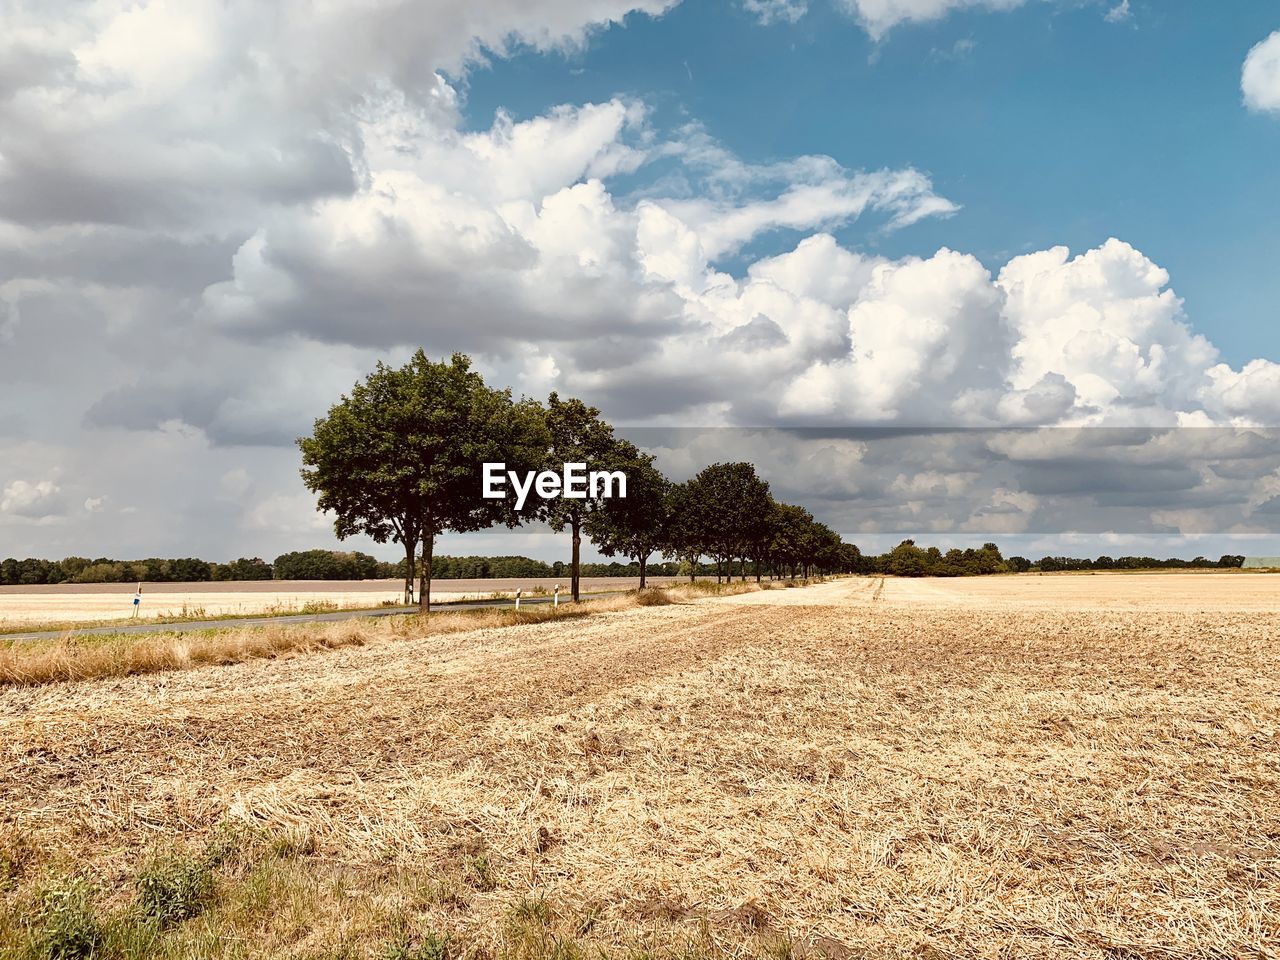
(188, 626)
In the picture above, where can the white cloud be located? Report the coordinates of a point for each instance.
(1120, 13)
(880, 16)
(1248, 395)
(922, 333)
(1260, 79)
(830, 200)
(1106, 322)
(34, 500)
(776, 11)
(513, 233)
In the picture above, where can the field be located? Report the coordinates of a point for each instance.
(1003, 767)
(86, 602)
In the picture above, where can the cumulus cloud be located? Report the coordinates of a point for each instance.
(1260, 79)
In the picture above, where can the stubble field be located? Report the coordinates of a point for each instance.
(1009, 767)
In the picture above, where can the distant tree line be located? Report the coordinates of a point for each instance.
(909, 560)
(905, 560)
(1052, 564)
(152, 570)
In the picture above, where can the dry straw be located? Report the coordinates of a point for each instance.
(858, 769)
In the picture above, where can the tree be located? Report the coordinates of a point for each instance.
(907, 560)
(400, 458)
(789, 527)
(826, 548)
(577, 435)
(684, 539)
(851, 559)
(635, 525)
(727, 506)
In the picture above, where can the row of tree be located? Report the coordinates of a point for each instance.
(399, 459)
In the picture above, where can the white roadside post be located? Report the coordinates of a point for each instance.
(555, 596)
(517, 601)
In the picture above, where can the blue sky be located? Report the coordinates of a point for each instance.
(1047, 124)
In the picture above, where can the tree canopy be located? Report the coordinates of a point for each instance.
(577, 434)
(399, 458)
(635, 526)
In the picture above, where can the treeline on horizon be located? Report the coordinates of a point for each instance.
(905, 560)
(909, 560)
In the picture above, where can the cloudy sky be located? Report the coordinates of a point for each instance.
(215, 215)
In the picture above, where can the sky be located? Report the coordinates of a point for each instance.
(794, 232)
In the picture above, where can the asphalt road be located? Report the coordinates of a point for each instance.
(189, 626)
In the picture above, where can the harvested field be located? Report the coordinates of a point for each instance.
(863, 768)
(67, 603)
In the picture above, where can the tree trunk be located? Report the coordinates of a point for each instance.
(693, 568)
(719, 570)
(410, 548)
(424, 581)
(644, 563)
(577, 549)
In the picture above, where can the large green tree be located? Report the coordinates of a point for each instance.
(635, 525)
(685, 538)
(577, 435)
(727, 507)
(399, 458)
(789, 529)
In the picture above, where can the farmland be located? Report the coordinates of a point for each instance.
(1017, 766)
(71, 603)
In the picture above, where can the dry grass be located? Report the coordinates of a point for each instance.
(25, 663)
(835, 771)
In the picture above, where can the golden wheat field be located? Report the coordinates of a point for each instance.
(1005, 767)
